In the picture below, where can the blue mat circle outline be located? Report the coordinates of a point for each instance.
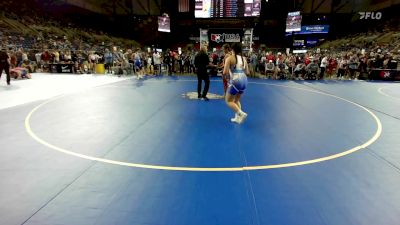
(213, 169)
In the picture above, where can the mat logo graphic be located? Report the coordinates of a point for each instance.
(194, 96)
(370, 15)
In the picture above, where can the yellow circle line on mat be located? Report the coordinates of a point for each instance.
(212, 169)
(380, 90)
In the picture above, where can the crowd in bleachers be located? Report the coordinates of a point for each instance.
(34, 39)
(349, 57)
(332, 63)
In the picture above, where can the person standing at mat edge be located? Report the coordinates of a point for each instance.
(201, 62)
(5, 64)
(236, 67)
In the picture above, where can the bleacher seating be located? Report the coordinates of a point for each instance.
(34, 31)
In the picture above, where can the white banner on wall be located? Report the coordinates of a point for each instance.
(203, 37)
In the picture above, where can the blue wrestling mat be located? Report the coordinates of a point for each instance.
(149, 152)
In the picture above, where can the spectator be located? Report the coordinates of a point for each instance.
(270, 69)
(5, 64)
(108, 60)
(299, 71)
(312, 69)
(324, 64)
(157, 63)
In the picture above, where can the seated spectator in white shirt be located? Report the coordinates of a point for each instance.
(269, 68)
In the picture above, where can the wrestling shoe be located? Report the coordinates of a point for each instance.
(235, 119)
(242, 118)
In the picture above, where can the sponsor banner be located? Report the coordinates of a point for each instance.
(299, 51)
(312, 29)
(311, 42)
(224, 37)
(385, 74)
(219, 37)
(164, 24)
(298, 43)
(293, 21)
(61, 68)
(203, 37)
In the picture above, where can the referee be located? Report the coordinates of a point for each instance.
(201, 62)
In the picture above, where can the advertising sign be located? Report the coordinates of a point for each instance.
(298, 42)
(203, 38)
(221, 36)
(293, 21)
(164, 24)
(312, 29)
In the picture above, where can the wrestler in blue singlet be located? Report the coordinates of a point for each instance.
(238, 79)
(138, 62)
